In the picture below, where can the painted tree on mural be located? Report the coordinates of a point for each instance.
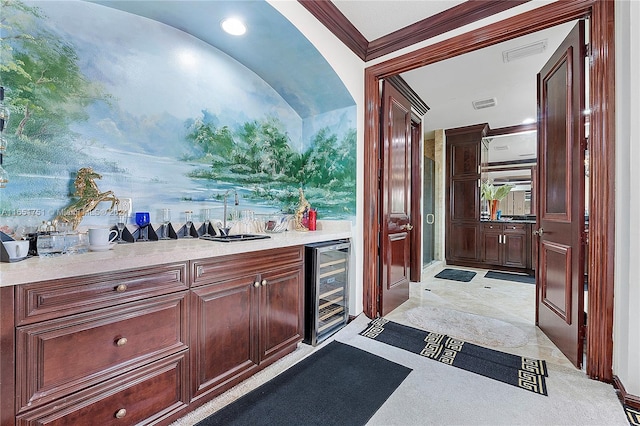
(260, 151)
(41, 73)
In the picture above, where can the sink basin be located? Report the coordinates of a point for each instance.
(237, 237)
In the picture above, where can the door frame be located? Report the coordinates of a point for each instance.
(601, 148)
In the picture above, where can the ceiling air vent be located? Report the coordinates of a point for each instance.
(484, 103)
(524, 51)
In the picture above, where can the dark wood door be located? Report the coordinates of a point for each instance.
(395, 197)
(559, 281)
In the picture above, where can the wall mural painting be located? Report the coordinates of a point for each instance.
(164, 118)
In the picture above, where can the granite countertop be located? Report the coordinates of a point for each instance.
(135, 255)
(509, 221)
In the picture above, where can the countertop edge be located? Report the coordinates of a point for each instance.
(130, 256)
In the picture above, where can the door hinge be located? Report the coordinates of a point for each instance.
(587, 50)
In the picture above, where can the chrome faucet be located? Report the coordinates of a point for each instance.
(224, 218)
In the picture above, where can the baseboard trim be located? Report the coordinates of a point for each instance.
(632, 401)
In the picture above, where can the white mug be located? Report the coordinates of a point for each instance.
(16, 249)
(101, 237)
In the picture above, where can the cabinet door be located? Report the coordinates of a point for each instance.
(492, 244)
(281, 311)
(223, 333)
(515, 246)
(464, 242)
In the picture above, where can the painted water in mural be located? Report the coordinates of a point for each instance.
(164, 118)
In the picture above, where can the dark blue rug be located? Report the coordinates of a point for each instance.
(521, 278)
(456, 275)
(337, 385)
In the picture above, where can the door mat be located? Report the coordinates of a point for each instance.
(525, 373)
(633, 415)
(456, 275)
(508, 276)
(336, 385)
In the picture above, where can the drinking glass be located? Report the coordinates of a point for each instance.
(188, 223)
(120, 224)
(142, 220)
(166, 219)
(206, 216)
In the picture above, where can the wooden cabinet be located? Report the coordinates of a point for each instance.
(242, 319)
(146, 346)
(462, 239)
(506, 244)
(75, 362)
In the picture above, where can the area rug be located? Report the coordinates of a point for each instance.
(336, 385)
(525, 373)
(506, 276)
(633, 415)
(468, 327)
(456, 275)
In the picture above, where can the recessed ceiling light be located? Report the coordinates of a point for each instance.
(233, 26)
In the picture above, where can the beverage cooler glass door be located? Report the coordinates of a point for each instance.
(327, 306)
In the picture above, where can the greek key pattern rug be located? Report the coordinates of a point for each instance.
(525, 373)
(633, 415)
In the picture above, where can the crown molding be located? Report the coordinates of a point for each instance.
(331, 17)
(465, 13)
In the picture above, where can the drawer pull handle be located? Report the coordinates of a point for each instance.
(264, 282)
(121, 342)
(199, 271)
(121, 288)
(121, 413)
(256, 284)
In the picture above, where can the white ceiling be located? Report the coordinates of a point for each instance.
(376, 18)
(449, 87)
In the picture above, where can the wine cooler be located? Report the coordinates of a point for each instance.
(327, 289)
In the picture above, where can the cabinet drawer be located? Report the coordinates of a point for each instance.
(515, 227)
(52, 299)
(223, 268)
(58, 357)
(492, 227)
(143, 396)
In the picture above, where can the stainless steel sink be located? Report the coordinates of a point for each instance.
(237, 237)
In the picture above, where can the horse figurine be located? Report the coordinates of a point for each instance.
(89, 197)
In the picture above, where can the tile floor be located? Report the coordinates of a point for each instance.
(508, 301)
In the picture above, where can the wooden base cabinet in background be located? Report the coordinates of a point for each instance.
(146, 346)
(506, 244)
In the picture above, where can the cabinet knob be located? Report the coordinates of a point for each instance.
(256, 284)
(121, 413)
(121, 288)
(264, 282)
(121, 341)
(538, 232)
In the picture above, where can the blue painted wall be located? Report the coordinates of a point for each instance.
(165, 118)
